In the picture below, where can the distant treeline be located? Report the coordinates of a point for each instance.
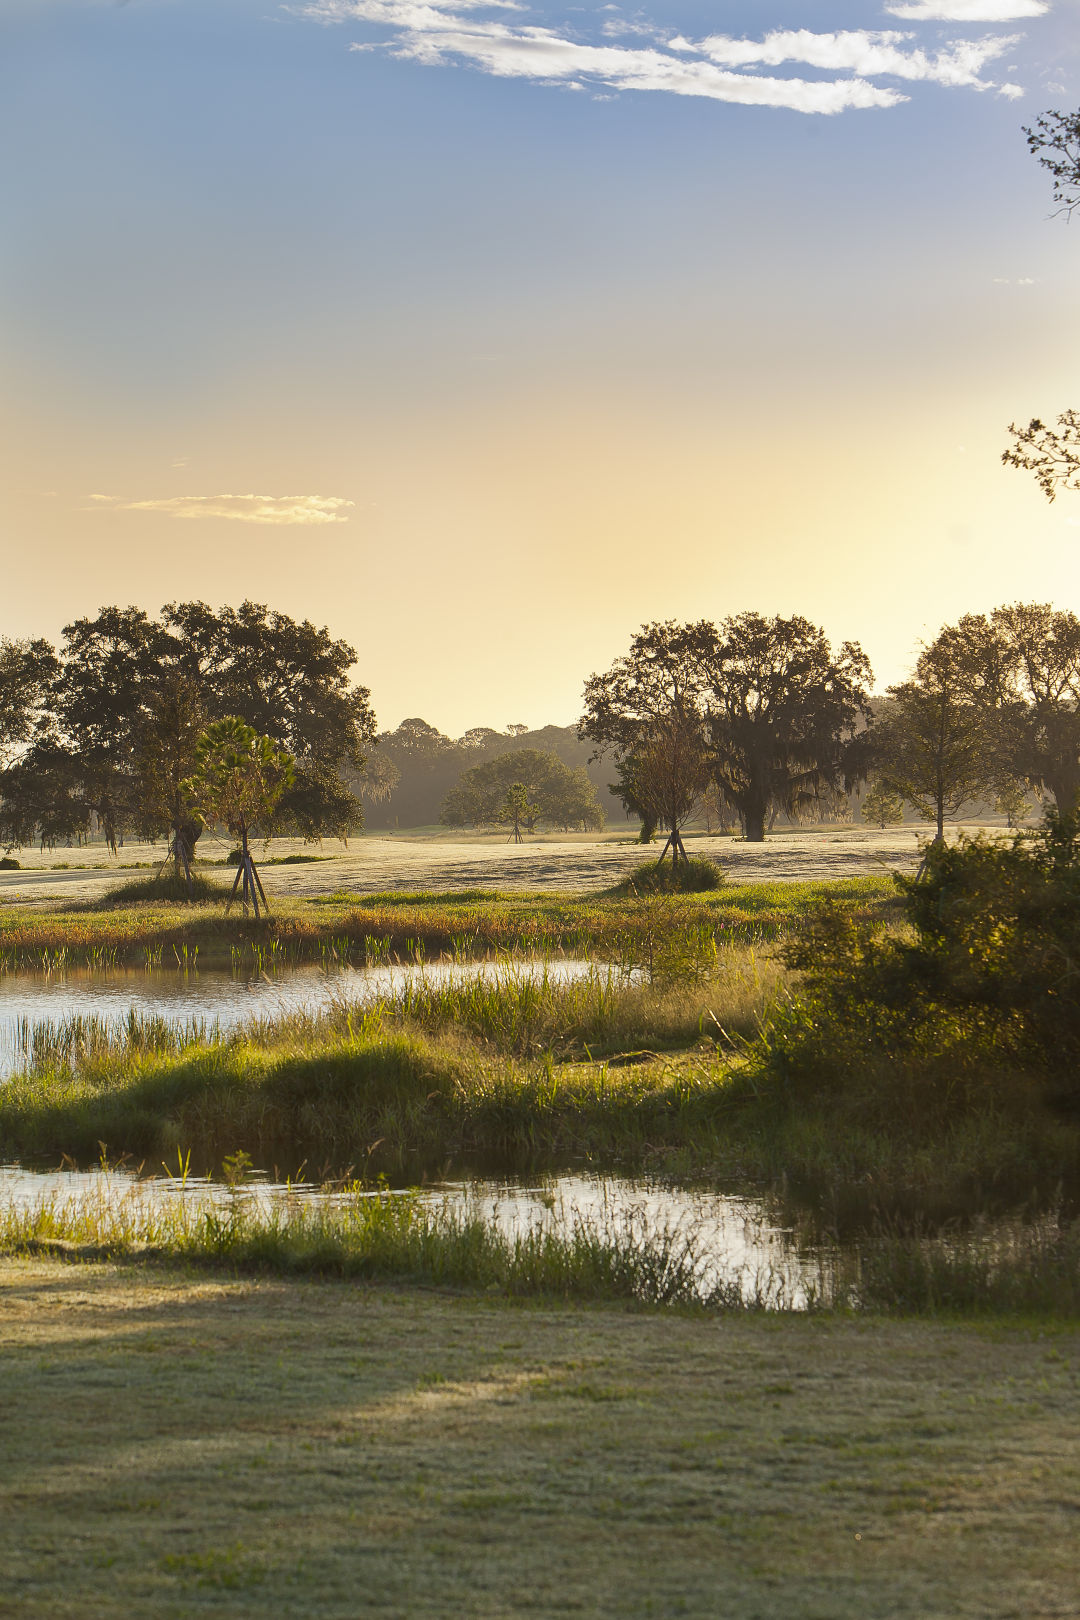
(743, 723)
(412, 770)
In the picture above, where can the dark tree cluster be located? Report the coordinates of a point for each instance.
(759, 711)
(551, 792)
(103, 735)
(992, 710)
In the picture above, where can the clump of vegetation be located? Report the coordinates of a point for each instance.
(982, 982)
(8, 863)
(697, 875)
(167, 887)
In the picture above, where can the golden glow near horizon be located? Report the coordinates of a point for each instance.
(483, 374)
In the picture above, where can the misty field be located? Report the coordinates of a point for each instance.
(377, 863)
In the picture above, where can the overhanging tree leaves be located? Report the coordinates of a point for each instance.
(1053, 453)
(787, 719)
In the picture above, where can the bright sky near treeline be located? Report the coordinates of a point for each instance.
(484, 331)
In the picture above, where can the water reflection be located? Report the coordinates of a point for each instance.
(733, 1240)
(217, 1000)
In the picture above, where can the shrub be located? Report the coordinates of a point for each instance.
(990, 966)
(688, 877)
(166, 887)
(10, 864)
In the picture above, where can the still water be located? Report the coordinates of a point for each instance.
(734, 1240)
(217, 1000)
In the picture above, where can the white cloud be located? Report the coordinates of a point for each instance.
(868, 54)
(966, 10)
(495, 39)
(303, 509)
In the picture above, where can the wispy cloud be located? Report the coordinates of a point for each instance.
(993, 11)
(303, 509)
(493, 36)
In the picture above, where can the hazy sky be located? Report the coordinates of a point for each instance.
(482, 332)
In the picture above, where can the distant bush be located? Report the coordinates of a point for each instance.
(688, 877)
(166, 887)
(9, 864)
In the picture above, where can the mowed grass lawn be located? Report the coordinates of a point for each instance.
(175, 1443)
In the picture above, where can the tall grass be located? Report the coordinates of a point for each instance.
(1015, 1268)
(381, 1235)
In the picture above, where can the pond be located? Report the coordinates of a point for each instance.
(218, 1000)
(735, 1240)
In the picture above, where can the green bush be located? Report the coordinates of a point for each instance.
(688, 877)
(987, 973)
(166, 887)
(10, 864)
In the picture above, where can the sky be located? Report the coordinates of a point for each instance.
(483, 333)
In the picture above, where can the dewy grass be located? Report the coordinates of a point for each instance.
(474, 923)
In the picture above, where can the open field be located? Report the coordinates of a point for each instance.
(177, 1445)
(377, 863)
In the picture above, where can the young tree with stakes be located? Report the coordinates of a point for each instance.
(239, 779)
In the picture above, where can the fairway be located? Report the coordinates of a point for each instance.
(377, 863)
(184, 1443)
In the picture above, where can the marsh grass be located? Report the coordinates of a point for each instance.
(1012, 1267)
(385, 1235)
(479, 922)
(519, 1066)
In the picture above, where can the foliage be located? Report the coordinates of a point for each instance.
(987, 978)
(1053, 454)
(27, 668)
(239, 778)
(930, 739)
(1020, 669)
(113, 735)
(555, 793)
(786, 717)
(694, 876)
(1055, 141)
(882, 805)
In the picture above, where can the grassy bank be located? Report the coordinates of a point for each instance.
(178, 1443)
(680, 1074)
(473, 923)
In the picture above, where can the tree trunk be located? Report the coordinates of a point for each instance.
(755, 825)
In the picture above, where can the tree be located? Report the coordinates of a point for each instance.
(516, 810)
(1053, 454)
(27, 670)
(1020, 667)
(882, 805)
(787, 720)
(239, 779)
(930, 741)
(166, 753)
(131, 695)
(663, 776)
(1011, 801)
(648, 709)
(557, 794)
